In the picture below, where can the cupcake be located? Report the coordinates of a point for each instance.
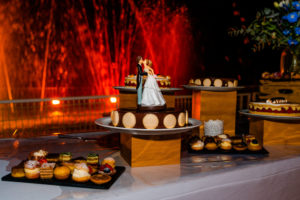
(254, 146)
(81, 173)
(65, 157)
(62, 172)
(32, 169)
(92, 158)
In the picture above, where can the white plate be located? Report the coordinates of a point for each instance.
(105, 122)
(133, 89)
(212, 88)
(269, 117)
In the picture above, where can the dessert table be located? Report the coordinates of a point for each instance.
(276, 176)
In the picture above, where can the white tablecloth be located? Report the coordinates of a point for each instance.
(197, 177)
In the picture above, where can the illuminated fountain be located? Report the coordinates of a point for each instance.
(84, 48)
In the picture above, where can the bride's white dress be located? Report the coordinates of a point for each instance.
(152, 95)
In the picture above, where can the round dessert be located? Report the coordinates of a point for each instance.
(168, 118)
(110, 161)
(70, 165)
(17, 172)
(100, 178)
(65, 157)
(275, 107)
(210, 144)
(198, 82)
(249, 138)
(52, 157)
(197, 146)
(162, 81)
(81, 173)
(62, 172)
(37, 155)
(254, 146)
(225, 145)
(236, 140)
(240, 146)
(92, 158)
(32, 169)
(214, 82)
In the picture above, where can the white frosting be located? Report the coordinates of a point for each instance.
(109, 159)
(31, 164)
(82, 166)
(40, 153)
(199, 143)
(213, 127)
(80, 173)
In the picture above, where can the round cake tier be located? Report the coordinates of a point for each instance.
(287, 109)
(149, 119)
(162, 81)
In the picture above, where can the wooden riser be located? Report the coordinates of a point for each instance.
(208, 105)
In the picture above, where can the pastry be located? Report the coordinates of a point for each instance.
(207, 82)
(93, 169)
(150, 121)
(110, 161)
(210, 143)
(17, 172)
(169, 121)
(32, 169)
(65, 157)
(181, 119)
(107, 169)
(80, 160)
(218, 83)
(254, 146)
(81, 173)
(100, 178)
(115, 118)
(46, 170)
(197, 146)
(198, 82)
(225, 145)
(70, 165)
(129, 120)
(92, 158)
(52, 157)
(240, 146)
(236, 140)
(230, 84)
(62, 172)
(37, 155)
(249, 138)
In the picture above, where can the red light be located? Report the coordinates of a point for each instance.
(113, 99)
(55, 102)
(236, 13)
(242, 19)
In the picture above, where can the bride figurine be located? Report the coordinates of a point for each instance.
(152, 95)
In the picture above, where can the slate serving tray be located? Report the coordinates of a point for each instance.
(69, 181)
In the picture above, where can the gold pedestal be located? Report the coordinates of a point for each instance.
(213, 105)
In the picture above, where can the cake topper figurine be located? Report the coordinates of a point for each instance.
(151, 96)
(139, 79)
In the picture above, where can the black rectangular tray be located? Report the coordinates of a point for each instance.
(263, 151)
(69, 181)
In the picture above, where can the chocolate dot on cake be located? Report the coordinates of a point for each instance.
(181, 119)
(114, 115)
(218, 83)
(170, 121)
(150, 121)
(198, 82)
(207, 82)
(129, 120)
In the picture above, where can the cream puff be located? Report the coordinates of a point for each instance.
(225, 145)
(32, 169)
(254, 146)
(197, 145)
(81, 173)
(210, 144)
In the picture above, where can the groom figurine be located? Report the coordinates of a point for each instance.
(139, 79)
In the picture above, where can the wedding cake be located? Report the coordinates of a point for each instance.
(162, 81)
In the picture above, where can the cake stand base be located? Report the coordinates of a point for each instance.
(147, 150)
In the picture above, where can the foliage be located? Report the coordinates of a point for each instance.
(278, 27)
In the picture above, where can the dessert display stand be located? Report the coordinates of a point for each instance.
(150, 147)
(145, 147)
(215, 103)
(274, 129)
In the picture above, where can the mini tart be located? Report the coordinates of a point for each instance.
(32, 173)
(17, 172)
(197, 146)
(254, 146)
(100, 178)
(211, 146)
(81, 179)
(240, 147)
